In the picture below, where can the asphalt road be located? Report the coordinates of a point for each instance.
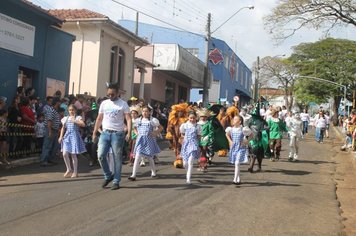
(286, 198)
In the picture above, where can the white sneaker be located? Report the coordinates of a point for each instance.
(295, 158)
(349, 145)
(344, 146)
(188, 182)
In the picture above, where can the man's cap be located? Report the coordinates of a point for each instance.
(133, 99)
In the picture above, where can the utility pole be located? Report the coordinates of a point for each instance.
(206, 69)
(136, 25)
(257, 78)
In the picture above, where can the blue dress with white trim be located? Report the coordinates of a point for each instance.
(190, 146)
(72, 141)
(237, 151)
(146, 145)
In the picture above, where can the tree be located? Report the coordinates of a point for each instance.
(277, 72)
(290, 16)
(330, 59)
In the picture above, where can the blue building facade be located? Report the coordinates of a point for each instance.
(229, 74)
(34, 52)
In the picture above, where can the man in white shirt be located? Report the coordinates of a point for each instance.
(112, 113)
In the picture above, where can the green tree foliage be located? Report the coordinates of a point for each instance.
(329, 59)
(291, 15)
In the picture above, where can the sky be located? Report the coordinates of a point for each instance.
(244, 32)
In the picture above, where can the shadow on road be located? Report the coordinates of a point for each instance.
(266, 184)
(289, 172)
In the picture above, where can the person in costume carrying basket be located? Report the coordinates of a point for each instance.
(238, 137)
(190, 151)
(71, 141)
(147, 128)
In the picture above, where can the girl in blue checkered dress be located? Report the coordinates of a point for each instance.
(238, 146)
(71, 141)
(190, 150)
(147, 128)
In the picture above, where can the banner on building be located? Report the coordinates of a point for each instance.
(16, 35)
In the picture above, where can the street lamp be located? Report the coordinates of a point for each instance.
(208, 39)
(327, 81)
(249, 7)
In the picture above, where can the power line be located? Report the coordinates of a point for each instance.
(190, 13)
(155, 18)
(195, 7)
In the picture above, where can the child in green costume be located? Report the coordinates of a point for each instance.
(207, 137)
(276, 129)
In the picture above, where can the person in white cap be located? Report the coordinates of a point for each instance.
(295, 130)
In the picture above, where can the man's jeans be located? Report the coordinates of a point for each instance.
(50, 146)
(305, 127)
(319, 134)
(115, 140)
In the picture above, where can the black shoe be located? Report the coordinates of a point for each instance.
(250, 170)
(107, 181)
(115, 187)
(44, 164)
(132, 178)
(52, 162)
(237, 183)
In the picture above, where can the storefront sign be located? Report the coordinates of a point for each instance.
(16, 35)
(215, 56)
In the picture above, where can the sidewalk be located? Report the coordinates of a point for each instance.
(344, 176)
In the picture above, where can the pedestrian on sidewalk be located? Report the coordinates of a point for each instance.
(238, 137)
(147, 129)
(112, 113)
(190, 151)
(71, 141)
(304, 116)
(320, 126)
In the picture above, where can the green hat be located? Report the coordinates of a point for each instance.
(94, 106)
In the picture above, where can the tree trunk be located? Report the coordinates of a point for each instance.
(335, 109)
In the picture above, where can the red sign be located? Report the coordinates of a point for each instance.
(232, 66)
(215, 56)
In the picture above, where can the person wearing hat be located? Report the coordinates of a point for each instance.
(133, 101)
(135, 113)
(207, 137)
(258, 146)
(276, 129)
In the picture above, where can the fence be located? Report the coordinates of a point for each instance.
(20, 139)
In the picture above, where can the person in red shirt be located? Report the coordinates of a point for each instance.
(28, 119)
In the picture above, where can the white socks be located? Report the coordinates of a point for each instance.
(188, 165)
(237, 172)
(136, 164)
(74, 162)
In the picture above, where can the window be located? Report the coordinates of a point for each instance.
(170, 93)
(182, 93)
(117, 65)
(237, 72)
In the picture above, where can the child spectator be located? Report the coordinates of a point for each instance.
(40, 130)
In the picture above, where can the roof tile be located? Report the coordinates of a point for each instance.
(72, 14)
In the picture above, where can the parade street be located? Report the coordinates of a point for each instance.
(286, 198)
